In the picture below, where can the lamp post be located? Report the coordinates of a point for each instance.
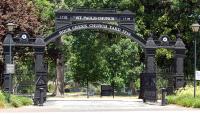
(195, 28)
(10, 27)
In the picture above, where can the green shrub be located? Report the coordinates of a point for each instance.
(2, 100)
(17, 101)
(137, 83)
(184, 101)
(51, 87)
(185, 97)
(171, 99)
(2, 104)
(2, 97)
(25, 101)
(196, 103)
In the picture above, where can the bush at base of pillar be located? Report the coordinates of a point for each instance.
(15, 101)
(185, 97)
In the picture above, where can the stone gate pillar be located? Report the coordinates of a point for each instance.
(148, 78)
(40, 73)
(7, 78)
(179, 66)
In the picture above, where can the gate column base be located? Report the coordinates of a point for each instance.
(148, 91)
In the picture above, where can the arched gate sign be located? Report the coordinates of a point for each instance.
(108, 20)
(123, 30)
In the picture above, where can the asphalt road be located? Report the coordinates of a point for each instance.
(96, 105)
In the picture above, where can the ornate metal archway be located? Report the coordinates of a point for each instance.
(79, 19)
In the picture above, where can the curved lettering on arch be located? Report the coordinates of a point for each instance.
(81, 26)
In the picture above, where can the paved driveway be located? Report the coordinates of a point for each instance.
(97, 105)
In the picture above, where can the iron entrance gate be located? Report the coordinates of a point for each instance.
(79, 19)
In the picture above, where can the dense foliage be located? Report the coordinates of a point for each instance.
(20, 12)
(100, 58)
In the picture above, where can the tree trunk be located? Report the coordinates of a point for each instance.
(132, 87)
(1, 65)
(60, 76)
(59, 89)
